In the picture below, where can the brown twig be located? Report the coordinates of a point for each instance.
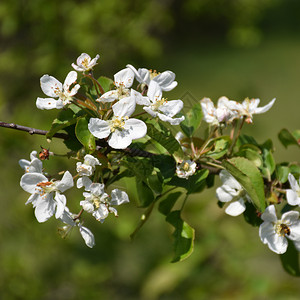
(31, 130)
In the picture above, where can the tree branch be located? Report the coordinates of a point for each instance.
(31, 130)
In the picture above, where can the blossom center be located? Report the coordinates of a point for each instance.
(46, 187)
(118, 123)
(153, 73)
(85, 63)
(158, 103)
(282, 229)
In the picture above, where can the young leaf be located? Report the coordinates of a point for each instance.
(221, 145)
(166, 205)
(65, 118)
(145, 194)
(193, 184)
(183, 235)
(282, 173)
(164, 137)
(290, 260)
(84, 135)
(192, 120)
(106, 83)
(287, 138)
(247, 174)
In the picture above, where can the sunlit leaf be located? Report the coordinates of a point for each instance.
(247, 174)
(287, 138)
(84, 135)
(183, 236)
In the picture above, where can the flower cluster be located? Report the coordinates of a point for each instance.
(127, 128)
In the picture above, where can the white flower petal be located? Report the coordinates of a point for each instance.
(118, 197)
(88, 236)
(46, 103)
(124, 78)
(236, 208)
(293, 182)
(45, 208)
(66, 182)
(154, 91)
(172, 121)
(61, 201)
(99, 128)
(269, 214)
(30, 180)
(171, 108)
(290, 217)
(260, 110)
(120, 139)
(50, 86)
(124, 107)
(136, 128)
(84, 181)
(166, 80)
(70, 79)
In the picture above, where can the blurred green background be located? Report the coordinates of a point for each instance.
(237, 48)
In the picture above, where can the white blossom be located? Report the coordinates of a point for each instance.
(165, 80)
(87, 168)
(120, 130)
(293, 194)
(55, 89)
(160, 107)
(232, 191)
(249, 107)
(69, 220)
(46, 195)
(186, 169)
(123, 81)
(225, 112)
(98, 203)
(274, 232)
(33, 166)
(85, 62)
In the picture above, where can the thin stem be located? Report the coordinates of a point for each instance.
(184, 201)
(32, 131)
(236, 137)
(95, 81)
(145, 216)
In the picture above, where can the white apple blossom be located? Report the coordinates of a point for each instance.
(293, 194)
(123, 81)
(33, 166)
(225, 112)
(85, 62)
(166, 79)
(160, 107)
(274, 232)
(249, 107)
(186, 169)
(87, 168)
(55, 89)
(46, 195)
(231, 190)
(120, 130)
(70, 221)
(98, 203)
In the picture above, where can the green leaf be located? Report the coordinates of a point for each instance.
(290, 260)
(251, 216)
(192, 120)
(106, 83)
(145, 194)
(65, 118)
(155, 182)
(193, 184)
(166, 205)
(84, 135)
(247, 174)
(282, 173)
(166, 164)
(164, 137)
(141, 167)
(287, 138)
(183, 235)
(252, 154)
(72, 143)
(221, 145)
(269, 163)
